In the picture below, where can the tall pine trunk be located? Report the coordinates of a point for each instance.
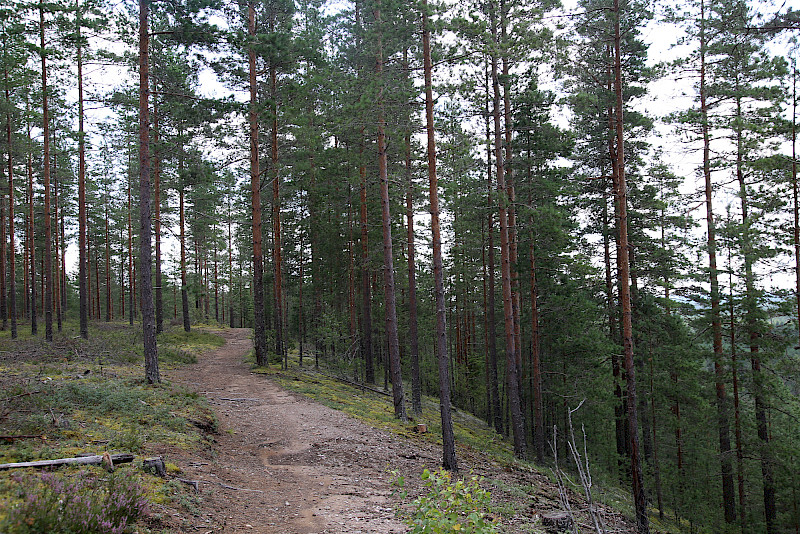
(723, 424)
(131, 284)
(146, 283)
(496, 416)
(12, 286)
(157, 217)
(83, 289)
(366, 295)
(259, 333)
(48, 235)
(512, 377)
(30, 230)
(751, 310)
(448, 440)
(413, 341)
(187, 326)
(640, 501)
(388, 261)
(277, 258)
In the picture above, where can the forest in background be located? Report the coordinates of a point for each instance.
(574, 263)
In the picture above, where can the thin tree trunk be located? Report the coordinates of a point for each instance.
(736, 408)
(109, 311)
(751, 310)
(640, 501)
(300, 320)
(57, 275)
(48, 235)
(259, 327)
(654, 427)
(388, 260)
(157, 217)
(216, 278)
(187, 327)
(448, 441)
(230, 267)
(512, 211)
(277, 256)
(413, 340)
(795, 199)
(728, 499)
(3, 255)
(146, 283)
(131, 287)
(97, 284)
(366, 326)
(515, 407)
(538, 422)
(497, 415)
(31, 231)
(12, 285)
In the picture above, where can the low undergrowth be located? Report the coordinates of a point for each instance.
(76, 396)
(83, 503)
(521, 490)
(447, 505)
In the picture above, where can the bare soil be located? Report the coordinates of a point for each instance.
(284, 464)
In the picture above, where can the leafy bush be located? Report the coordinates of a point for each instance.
(81, 505)
(462, 506)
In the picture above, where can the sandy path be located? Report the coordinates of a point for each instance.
(300, 467)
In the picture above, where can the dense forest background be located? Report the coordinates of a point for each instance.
(617, 231)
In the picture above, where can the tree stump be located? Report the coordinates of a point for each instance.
(155, 466)
(557, 521)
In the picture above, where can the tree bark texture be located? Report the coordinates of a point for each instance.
(145, 283)
(448, 440)
(512, 377)
(259, 333)
(723, 424)
(48, 234)
(639, 498)
(388, 261)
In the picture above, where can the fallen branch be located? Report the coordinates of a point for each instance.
(239, 489)
(21, 436)
(193, 483)
(18, 396)
(356, 384)
(85, 460)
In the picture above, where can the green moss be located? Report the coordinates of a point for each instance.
(83, 396)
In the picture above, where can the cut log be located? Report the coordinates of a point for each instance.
(85, 460)
(155, 466)
(557, 521)
(421, 428)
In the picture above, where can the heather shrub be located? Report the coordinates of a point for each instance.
(82, 504)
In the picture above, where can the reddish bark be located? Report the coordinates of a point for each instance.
(48, 234)
(512, 380)
(259, 327)
(146, 284)
(639, 498)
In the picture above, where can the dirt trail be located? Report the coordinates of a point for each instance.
(299, 467)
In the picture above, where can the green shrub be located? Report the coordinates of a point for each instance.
(446, 506)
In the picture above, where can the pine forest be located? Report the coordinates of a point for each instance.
(561, 218)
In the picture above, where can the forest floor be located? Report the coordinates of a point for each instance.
(284, 463)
